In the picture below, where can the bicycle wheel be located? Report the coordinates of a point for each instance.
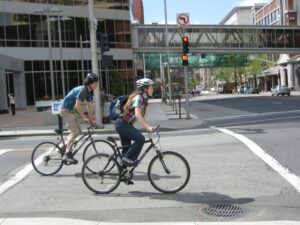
(99, 146)
(101, 174)
(46, 158)
(169, 172)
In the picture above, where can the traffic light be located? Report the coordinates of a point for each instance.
(185, 45)
(104, 42)
(185, 51)
(185, 60)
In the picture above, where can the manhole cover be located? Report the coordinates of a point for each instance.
(224, 210)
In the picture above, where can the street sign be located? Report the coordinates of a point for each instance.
(183, 19)
(55, 107)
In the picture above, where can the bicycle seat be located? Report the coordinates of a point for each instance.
(112, 139)
(60, 131)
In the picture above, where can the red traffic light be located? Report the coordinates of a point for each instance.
(185, 39)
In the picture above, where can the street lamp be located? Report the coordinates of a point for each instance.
(47, 11)
(58, 19)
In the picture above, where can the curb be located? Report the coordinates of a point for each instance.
(56, 221)
(29, 133)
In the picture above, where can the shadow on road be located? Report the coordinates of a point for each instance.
(198, 198)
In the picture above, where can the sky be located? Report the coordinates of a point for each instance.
(200, 11)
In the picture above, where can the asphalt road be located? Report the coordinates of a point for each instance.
(223, 170)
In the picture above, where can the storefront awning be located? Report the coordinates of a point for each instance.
(270, 72)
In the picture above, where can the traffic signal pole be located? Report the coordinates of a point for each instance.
(185, 63)
(186, 93)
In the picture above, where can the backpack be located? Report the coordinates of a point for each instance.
(116, 106)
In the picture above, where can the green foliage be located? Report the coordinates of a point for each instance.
(223, 75)
(192, 84)
(257, 65)
(116, 83)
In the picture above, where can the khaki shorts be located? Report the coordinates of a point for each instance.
(71, 121)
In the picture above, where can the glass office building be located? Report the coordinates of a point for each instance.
(24, 36)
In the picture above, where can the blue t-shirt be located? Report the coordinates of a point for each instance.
(81, 93)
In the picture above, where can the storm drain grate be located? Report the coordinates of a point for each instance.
(225, 210)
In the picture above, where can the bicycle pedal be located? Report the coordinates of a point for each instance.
(67, 163)
(129, 182)
(70, 163)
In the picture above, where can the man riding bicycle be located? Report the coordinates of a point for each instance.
(72, 104)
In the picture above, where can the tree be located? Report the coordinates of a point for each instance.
(116, 83)
(256, 66)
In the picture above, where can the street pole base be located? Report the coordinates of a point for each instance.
(99, 127)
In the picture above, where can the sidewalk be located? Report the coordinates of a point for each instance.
(29, 122)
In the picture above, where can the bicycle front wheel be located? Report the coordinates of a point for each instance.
(98, 146)
(169, 172)
(46, 158)
(101, 174)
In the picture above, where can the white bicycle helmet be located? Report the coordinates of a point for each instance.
(144, 82)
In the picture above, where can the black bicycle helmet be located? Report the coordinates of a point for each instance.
(90, 78)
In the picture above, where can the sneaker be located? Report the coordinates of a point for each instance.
(68, 158)
(128, 162)
(125, 179)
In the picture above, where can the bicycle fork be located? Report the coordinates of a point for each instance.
(161, 159)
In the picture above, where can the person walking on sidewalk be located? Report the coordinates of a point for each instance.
(12, 103)
(134, 110)
(72, 104)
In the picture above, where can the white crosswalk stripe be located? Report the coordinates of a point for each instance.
(293, 179)
(2, 151)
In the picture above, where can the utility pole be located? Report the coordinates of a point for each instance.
(47, 11)
(168, 53)
(93, 28)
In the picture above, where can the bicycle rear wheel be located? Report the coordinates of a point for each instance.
(101, 174)
(169, 172)
(46, 158)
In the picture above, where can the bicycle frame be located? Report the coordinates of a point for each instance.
(86, 137)
(152, 145)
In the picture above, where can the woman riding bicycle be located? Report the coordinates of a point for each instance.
(134, 110)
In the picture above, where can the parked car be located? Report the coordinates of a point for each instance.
(253, 91)
(246, 89)
(281, 90)
(240, 89)
(220, 90)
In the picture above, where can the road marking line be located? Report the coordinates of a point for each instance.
(2, 151)
(273, 163)
(252, 115)
(254, 121)
(20, 175)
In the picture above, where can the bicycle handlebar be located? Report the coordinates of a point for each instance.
(156, 128)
